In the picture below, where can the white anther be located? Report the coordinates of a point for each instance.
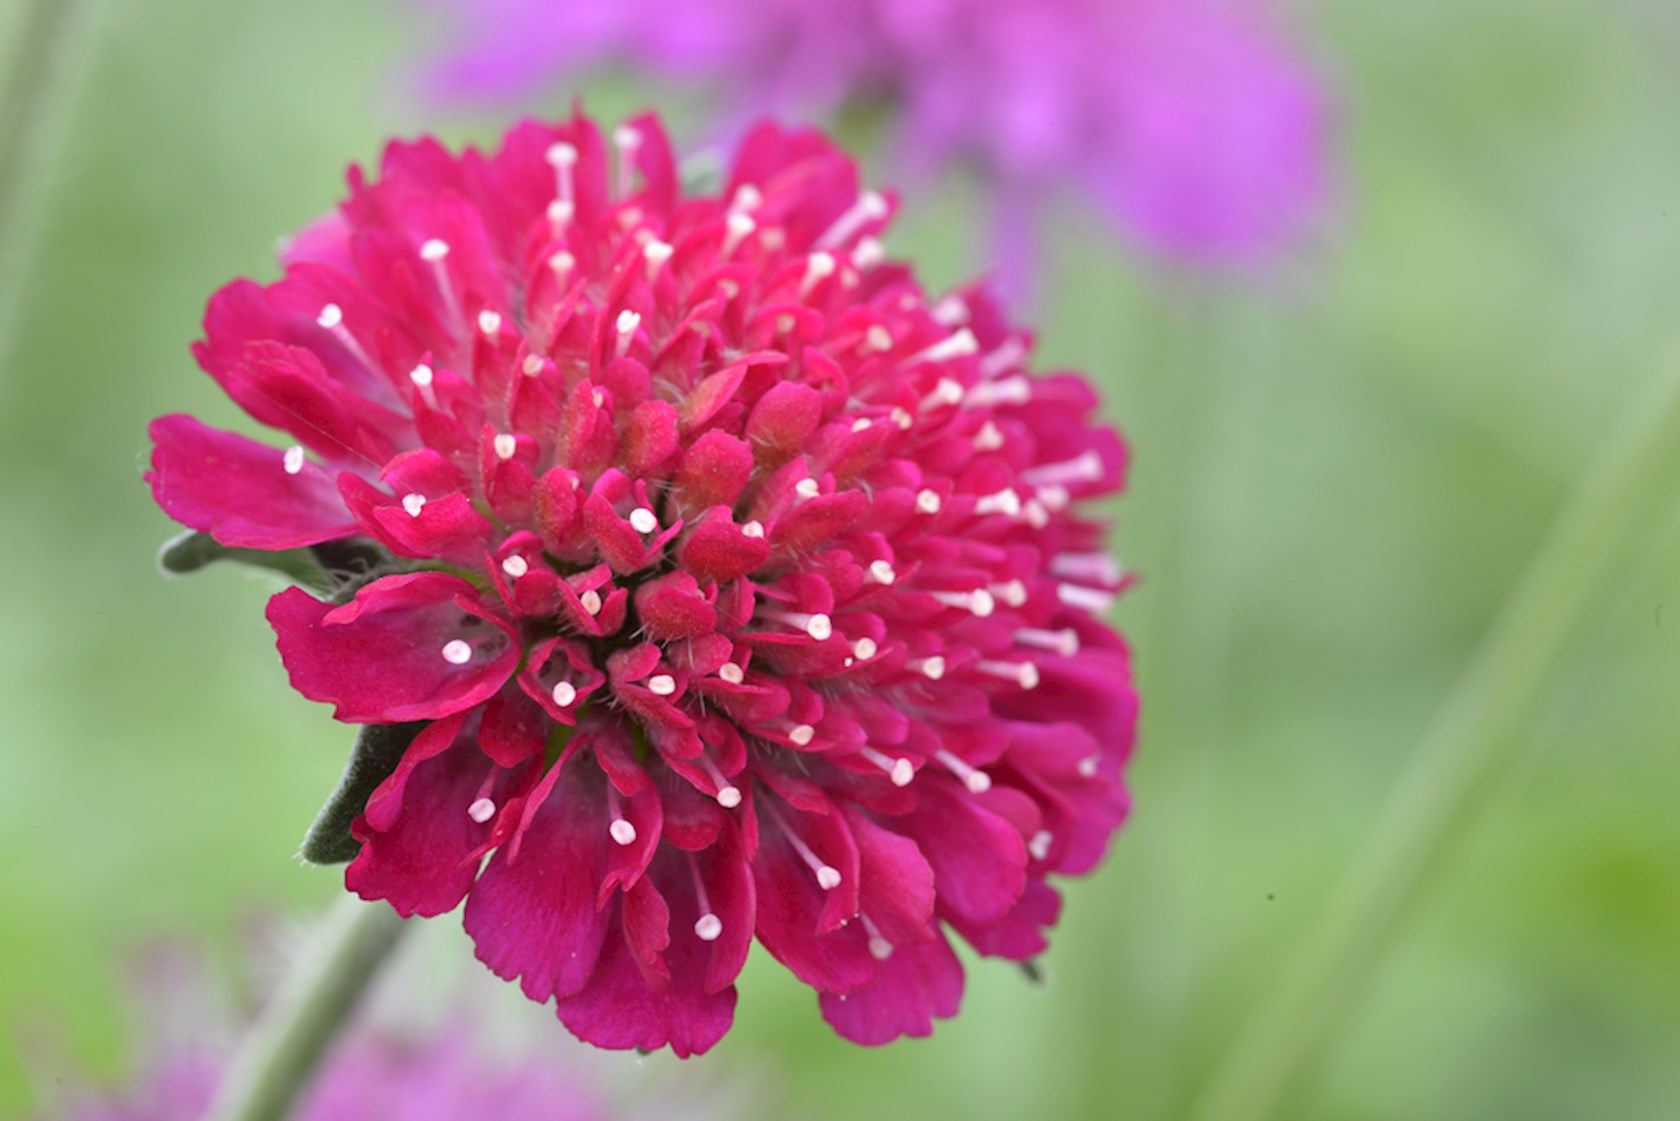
(732, 673)
(1084, 468)
(1064, 642)
(1007, 356)
(489, 323)
(802, 734)
(515, 566)
(862, 424)
(747, 197)
(643, 520)
(1015, 390)
(331, 316)
(562, 262)
(878, 338)
(434, 250)
(1005, 502)
(807, 489)
(564, 693)
(901, 417)
(597, 397)
(828, 878)
(708, 928)
(626, 326)
(753, 529)
(989, 438)
(977, 781)
(482, 810)
(958, 344)
(421, 375)
(456, 652)
(656, 253)
(561, 154)
(869, 253)
(622, 831)
(865, 648)
(879, 948)
(900, 771)
(979, 602)
(928, 502)
(728, 797)
(737, 228)
(532, 366)
(560, 213)
(869, 207)
(1024, 674)
(662, 685)
(931, 668)
(414, 503)
(1095, 601)
(1039, 845)
(882, 572)
(951, 311)
(818, 267)
(505, 445)
(1055, 496)
(1013, 593)
(949, 391)
(591, 601)
(1088, 765)
(1091, 568)
(1035, 514)
(292, 461)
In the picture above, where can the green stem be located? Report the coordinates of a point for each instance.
(1459, 763)
(278, 1058)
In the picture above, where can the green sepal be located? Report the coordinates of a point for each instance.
(192, 551)
(378, 750)
(1033, 971)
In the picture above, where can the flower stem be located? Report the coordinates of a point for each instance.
(1459, 762)
(278, 1058)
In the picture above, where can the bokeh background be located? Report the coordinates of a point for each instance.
(1341, 470)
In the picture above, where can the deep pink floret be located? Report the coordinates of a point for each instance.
(738, 587)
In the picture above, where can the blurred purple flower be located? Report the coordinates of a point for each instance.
(1188, 122)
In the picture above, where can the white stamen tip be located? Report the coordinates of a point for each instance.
(732, 673)
(434, 250)
(627, 137)
(878, 338)
(932, 668)
(642, 520)
(482, 810)
(564, 693)
(802, 734)
(901, 417)
(956, 346)
(709, 928)
(728, 797)
(865, 649)
(662, 685)
(903, 771)
(598, 397)
(505, 446)
(1039, 846)
(626, 326)
(951, 311)
(292, 461)
(807, 489)
(1005, 502)
(560, 212)
(1013, 593)
(331, 316)
(489, 322)
(457, 652)
(882, 572)
(532, 366)
(862, 424)
(753, 529)
(622, 831)
(561, 154)
(879, 948)
(562, 262)
(421, 375)
(1029, 676)
(820, 627)
(828, 878)
(515, 566)
(414, 503)
(989, 438)
(978, 782)
(747, 197)
(928, 502)
(869, 253)
(591, 601)
(982, 604)
(1088, 766)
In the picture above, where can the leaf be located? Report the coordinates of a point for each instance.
(378, 750)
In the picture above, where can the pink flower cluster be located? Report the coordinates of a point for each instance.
(738, 586)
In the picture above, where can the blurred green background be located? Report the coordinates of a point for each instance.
(1340, 473)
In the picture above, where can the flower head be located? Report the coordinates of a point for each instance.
(1188, 122)
(723, 582)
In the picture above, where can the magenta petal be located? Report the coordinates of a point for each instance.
(243, 493)
(413, 647)
(535, 917)
(918, 984)
(979, 860)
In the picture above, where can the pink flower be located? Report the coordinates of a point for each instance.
(1189, 123)
(728, 584)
